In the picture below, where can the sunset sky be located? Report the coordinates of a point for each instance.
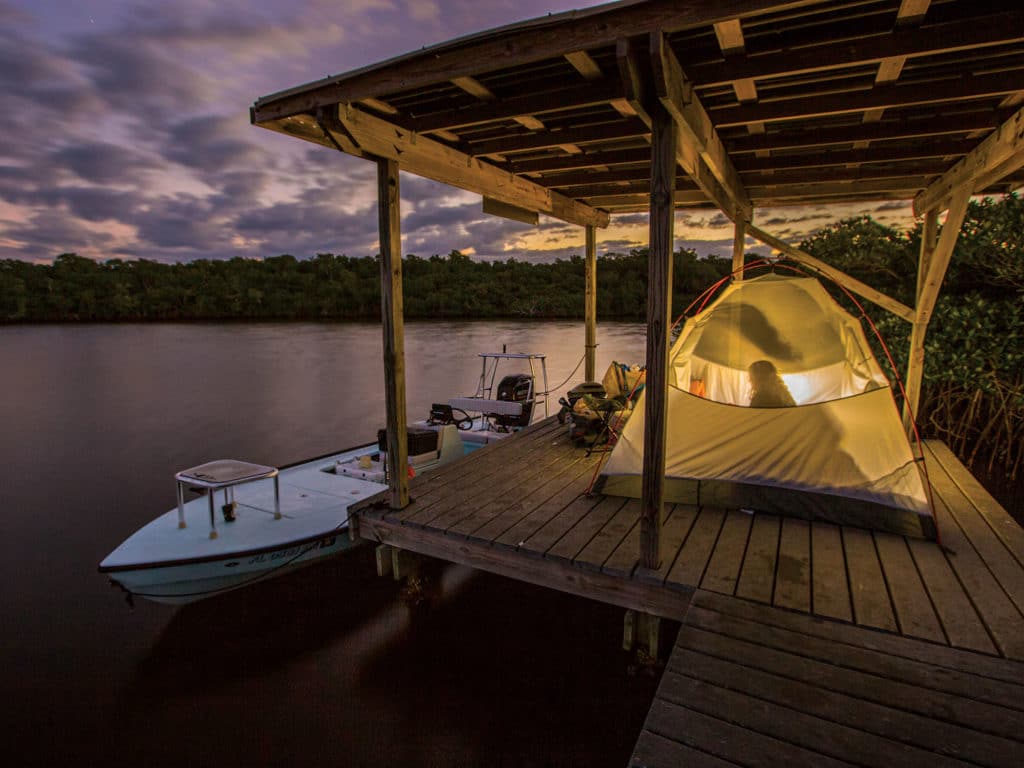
(126, 135)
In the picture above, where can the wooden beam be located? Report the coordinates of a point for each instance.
(896, 95)
(896, 189)
(392, 317)
(791, 139)
(474, 87)
(551, 574)
(912, 10)
(498, 208)
(695, 127)
(739, 241)
(639, 201)
(933, 267)
(915, 358)
(856, 286)
(590, 307)
(576, 96)
(582, 161)
(730, 36)
(1003, 150)
(919, 150)
(585, 177)
(530, 122)
(434, 160)
(379, 106)
(908, 43)
(520, 44)
(585, 65)
(664, 146)
(920, 173)
(622, 130)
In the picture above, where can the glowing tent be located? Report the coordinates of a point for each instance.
(840, 455)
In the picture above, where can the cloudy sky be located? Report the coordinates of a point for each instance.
(126, 135)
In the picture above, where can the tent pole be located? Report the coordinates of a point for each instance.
(590, 305)
(664, 141)
(391, 307)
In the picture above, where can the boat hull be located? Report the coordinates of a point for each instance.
(186, 582)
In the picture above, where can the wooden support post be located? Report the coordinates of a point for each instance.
(404, 564)
(590, 306)
(915, 360)
(391, 307)
(383, 557)
(739, 239)
(664, 141)
(929, 283)
(642, 632)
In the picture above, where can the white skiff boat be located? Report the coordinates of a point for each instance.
(253, 522)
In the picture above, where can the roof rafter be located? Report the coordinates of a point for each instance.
(622, 129)
(897, 95)
(512, 46)
(695, 127)
(567, 97)
(904, 42)
(363, 134)
(996, 157)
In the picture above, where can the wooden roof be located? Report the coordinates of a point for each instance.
(777, 103)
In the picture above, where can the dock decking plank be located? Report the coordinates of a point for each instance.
(729, 741)
(793, 569)
(673, 534)
(830, 593)
(541, 540)
(757, 579)
(821, 721)
(606, 540)
(522, 530)
(994, 679)
(871, 604)
(693, 558)
(754, 685)
(564, 485)
(723, 569)
(653, 750)
(993, 550)
(1000, 616)
(576, 538)
(476, 478)
(832, 690)
(1001, 522)
(910, 600)
(513, 481)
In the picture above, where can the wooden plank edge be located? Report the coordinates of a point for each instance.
(669, 604)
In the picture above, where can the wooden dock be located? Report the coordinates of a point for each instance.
(751, 685)
(519, 508)
(802, 643)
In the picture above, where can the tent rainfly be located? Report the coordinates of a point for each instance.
(840, 455)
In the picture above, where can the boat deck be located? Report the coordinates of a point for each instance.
(520, 508)
(751, 685)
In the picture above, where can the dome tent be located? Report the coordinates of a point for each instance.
(840, 455)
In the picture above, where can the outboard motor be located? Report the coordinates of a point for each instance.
(516, 388)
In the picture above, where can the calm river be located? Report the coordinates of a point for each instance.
(327, 666)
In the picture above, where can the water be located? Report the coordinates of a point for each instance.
(327, 666)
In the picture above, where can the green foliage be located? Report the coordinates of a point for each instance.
(973, 382)
(332, 287)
